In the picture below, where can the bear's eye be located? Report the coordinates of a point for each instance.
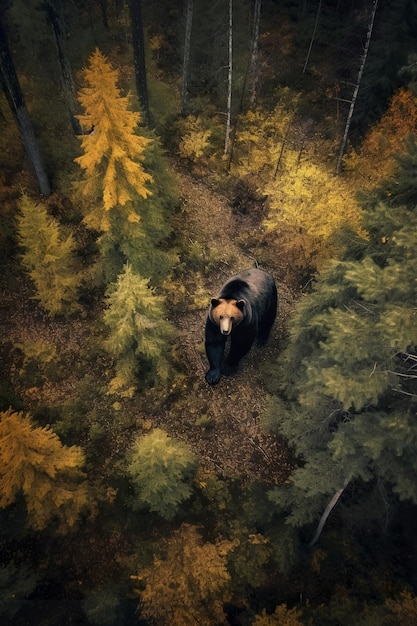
(232, 319)
(221, 317)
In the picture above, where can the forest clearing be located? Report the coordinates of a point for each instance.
(232, 441)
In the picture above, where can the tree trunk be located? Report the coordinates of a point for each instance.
(251, 77)
(186, 64)
(10, 84)
(103, 6)
(327, 512)
(135, 9)
(67, 81)
(312, 37)
(356, 90)
(253, 71)
(229, 79)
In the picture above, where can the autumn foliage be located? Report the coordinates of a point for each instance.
(113, 153)
(385, 139)
(34, 463)
(189, 582)
(48, 257)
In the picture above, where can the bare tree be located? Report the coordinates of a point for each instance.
(253, 71)
(55, 18)
(229, 79)
(186, 62)
(9, 82)
(357, 86)
(313, 36)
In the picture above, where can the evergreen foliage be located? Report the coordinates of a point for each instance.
(16, 585)
(143, 245)
(49, 258)
(188, 582)
(161, 469)
(346, 400)
(33, 462)
(345, 392)
(40, 362)
(139, 334)
(100, 606)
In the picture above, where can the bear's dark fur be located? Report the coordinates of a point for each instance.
(245, 309)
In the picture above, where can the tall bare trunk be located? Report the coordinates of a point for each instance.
(186, 62)
(253, 72)
(229, 79)
(9, 82)
(67, 80)
(356, 90)
(313, 36)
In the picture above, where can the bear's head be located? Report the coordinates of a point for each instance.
(227, 314)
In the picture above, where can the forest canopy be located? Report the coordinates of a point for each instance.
(149, 152)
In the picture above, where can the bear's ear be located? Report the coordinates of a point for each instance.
(215, 302)
(241, 304)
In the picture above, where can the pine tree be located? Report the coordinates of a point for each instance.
(346, 399)
(17, 583)
(131, 218)
(161, 469)
(49, 257)
(188, 583)
(113, 153)
(33, 462)
(138, 336)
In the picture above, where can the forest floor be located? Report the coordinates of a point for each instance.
(221, 423)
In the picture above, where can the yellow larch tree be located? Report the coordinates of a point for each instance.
(307, 205)
(374, 161)
(34, 462)
(189, 582)
(282, 616)
(113, 153)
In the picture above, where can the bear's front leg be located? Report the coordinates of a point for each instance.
(215, 344)
(240, 345)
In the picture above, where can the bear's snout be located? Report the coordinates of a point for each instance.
(225, 326)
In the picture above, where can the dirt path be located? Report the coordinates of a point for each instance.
(222, 422)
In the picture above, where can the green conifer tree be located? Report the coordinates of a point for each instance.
(49, 258)
(161, 469)
(17, 582)
(139, 334)
(346, 400)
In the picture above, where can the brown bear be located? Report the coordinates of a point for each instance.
(245, 310)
